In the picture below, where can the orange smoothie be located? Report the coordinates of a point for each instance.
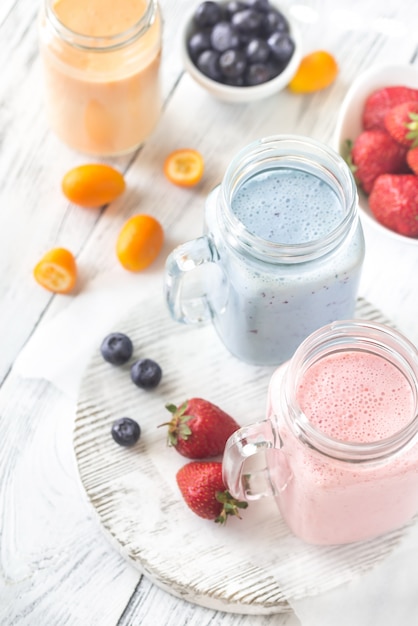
(101, 61)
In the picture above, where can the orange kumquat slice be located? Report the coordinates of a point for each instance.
(184, 167)
(57, 271)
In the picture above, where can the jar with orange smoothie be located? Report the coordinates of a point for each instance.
(101, 63)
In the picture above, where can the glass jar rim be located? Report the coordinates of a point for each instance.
(102, 43)
(273, 151)
(352, 335)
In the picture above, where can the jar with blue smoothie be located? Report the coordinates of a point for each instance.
(282, 251)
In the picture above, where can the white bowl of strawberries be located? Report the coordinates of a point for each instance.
(377, 133)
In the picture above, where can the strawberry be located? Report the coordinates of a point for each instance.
(374, 153)
(380, 101)
(394, 203)
(402, 123)
(203, 489)
(199, 429)
(412, 159)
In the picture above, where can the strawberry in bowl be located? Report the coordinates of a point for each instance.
(377, 133)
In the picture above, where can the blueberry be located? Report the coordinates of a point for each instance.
(259, 5)
(257, 51)
(274, 68)
(207, 63)
(208, 13)
(281, 46)
(125, 431)
(116, 348)
(232, 63)
(224, 37)
(256, 74)
(234, 81)
(275, 21)
(233, 7)
(247, 21)
(146, 373)
(198, 42)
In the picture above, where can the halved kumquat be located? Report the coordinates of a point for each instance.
(139, 242)
(93, 185)
(184, 167)
(56, 271)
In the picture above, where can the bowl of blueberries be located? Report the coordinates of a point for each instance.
(240, 50)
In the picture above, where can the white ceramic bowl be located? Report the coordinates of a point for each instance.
(242, 94)
(349, 123)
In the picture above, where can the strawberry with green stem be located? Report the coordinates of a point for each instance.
(198, 428)
(402, 123)
(381, 101)
(203, 489)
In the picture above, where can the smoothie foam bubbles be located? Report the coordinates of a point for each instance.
(287, 206)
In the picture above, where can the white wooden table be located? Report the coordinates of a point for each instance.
(57, 568)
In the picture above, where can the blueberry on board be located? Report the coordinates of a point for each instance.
(116, 348)
(224, 37)
(232, 63)
(208, 64)
(198, 42)
(257, 51)
(146, 373)
(208, 13)
(247, 21)
(125, 431)
(281, 46)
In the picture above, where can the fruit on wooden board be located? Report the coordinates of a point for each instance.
(198, 428)
(125, 431)
(202, 487)
(116, 348)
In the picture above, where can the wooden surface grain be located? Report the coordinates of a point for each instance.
(57, 567)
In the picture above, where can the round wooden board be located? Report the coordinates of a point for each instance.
(133, 490)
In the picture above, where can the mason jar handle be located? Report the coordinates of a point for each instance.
(183, 260)
(257, 442)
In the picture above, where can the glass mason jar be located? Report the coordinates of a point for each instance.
(102, 87)
(339, 447)
(282, 253)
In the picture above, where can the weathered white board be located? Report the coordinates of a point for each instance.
(133, 490)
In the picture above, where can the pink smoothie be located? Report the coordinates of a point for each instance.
(354, 397)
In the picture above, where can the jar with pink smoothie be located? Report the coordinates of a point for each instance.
(101, 62)
(339, 446)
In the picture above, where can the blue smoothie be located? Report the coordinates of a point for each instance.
(287, 206)
(262, 311)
